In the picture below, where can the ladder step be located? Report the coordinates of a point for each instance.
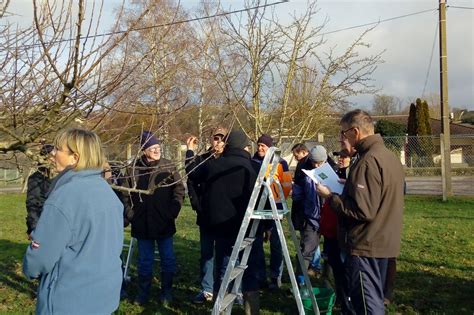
(268, 214)
(228, 299)
(246, 242)
(237, 271)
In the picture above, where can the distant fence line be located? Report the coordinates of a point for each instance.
(421, 156)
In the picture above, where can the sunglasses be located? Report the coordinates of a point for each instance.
(217, 138)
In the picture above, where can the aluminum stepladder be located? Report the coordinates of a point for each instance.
(130, 248)
(236, 268)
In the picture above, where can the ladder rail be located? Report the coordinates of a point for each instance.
(262, 192)
(307, 280)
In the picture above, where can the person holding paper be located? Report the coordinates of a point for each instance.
(371, 207)
(307, 205)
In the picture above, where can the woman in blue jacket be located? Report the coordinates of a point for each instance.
(76, 245)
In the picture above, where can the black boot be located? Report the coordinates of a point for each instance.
(144, 285)
(166, 295)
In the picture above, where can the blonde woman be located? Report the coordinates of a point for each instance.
(76, 245)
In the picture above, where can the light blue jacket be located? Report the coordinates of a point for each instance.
(76, 246)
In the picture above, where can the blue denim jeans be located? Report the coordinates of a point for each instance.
(207, 240)
(223, 252)
(146, 255)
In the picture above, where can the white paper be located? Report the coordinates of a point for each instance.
(326, 176)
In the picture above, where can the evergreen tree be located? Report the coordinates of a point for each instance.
(420, 118)
(411, 126)
(425, 145)
(426, 117)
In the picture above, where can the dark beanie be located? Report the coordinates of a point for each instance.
(266, 140)
(236, 140)
(148, 139)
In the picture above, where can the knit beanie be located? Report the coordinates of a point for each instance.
(318, 154)
(237, 140)
(148, 139)
(266, 140)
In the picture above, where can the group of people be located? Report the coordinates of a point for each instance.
(76, 244)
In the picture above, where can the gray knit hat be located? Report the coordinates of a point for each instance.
(318, 154)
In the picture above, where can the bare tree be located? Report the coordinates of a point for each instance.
(53, 71)
(160, 84)
(280, 60)
(385, 104)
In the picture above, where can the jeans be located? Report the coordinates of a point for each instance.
(146, 255)
(223, 252)
(207, 240)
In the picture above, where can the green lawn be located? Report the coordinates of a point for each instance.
(435, 268)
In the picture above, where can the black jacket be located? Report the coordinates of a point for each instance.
(153, 216)
(38, 188)
(195, 190)
(229, 182)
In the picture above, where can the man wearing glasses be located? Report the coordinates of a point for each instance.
(371, 209)
(153, 215)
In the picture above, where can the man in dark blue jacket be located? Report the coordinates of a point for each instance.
(307, 206)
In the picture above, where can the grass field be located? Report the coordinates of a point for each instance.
(435, 269)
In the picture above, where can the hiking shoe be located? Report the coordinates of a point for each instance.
(202, 297)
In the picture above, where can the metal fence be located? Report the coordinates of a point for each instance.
(10, 177)
(419, 155)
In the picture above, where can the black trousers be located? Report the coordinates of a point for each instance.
(331, 247)
(365, 279)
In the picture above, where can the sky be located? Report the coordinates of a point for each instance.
(408, 42)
